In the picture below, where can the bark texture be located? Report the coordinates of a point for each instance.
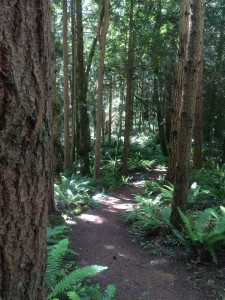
(181, 55)
(25, 146)
(186, 122)
(198, 138)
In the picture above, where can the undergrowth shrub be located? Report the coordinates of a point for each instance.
(203, 231)
(211, 183)
(66, 281)
(152, 212)
(73, 192)
(203, 234)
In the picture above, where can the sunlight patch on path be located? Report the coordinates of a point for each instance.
(92, 218)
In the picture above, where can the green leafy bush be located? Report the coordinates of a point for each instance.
(204, 234)
(72, 191)
(211, 183)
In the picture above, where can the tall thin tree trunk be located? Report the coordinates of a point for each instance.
(74, 84)
(186, 122)
(110, 110)
(25, 147)
(83, 132)
(129, 92)
(67, 162)
(57, 146)
(181, 55)
(99, 109)
(198, 118)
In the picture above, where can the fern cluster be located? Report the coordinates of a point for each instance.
(65, 281)
(204, 234)
(73, 192)
(152, 211)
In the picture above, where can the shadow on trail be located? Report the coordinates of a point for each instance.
(101, 238)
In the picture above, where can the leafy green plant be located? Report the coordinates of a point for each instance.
(151, 220)
(211, 183)
(61, 282)
(55, 234)
(204, 234)
(93, 292)
(72, 191)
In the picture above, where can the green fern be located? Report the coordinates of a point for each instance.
(74, 278)
(54, 261)
(205, 233)
(73, 296)
(56, 277)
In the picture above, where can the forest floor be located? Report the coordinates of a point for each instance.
(102, 238)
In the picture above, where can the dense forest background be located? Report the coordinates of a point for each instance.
(162, 87)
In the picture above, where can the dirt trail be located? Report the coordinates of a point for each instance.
(101, 238)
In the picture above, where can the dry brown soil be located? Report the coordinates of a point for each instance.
(102, 238)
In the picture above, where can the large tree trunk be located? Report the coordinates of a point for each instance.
(25, 147)
(183, 38)
(129, 92)
(99, 109)
(186, 122)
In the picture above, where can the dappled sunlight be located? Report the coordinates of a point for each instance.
(71, 222)
(160, 170)
(159, 261)
(115, 203)
(109, 247)
(140, 183)
(92, 218)
(99, 197)
(124, 206)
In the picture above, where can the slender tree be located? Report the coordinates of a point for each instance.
(74, 82)
(99, 109)
(25, 146)
(67, 161)
(186, 121)
(129, 91)
(83, 133)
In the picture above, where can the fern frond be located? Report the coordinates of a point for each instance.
(73, 296)
(110, 291)
(75, 277)
(188, 225)
(54, 260)
(203, 220)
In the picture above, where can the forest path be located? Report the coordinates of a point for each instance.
(102, 238)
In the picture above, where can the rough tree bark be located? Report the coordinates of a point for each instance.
(181, 55)
(25, 146)
(198, 139)
(186, 121)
